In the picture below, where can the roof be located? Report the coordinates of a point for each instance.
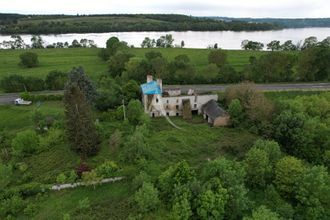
(213, 110)
(151, 88)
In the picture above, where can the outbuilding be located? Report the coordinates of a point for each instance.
(214, 114)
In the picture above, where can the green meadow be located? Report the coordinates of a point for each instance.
(65, 59)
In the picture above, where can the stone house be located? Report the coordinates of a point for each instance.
(172, 102)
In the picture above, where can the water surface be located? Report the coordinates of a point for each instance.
(192, 39)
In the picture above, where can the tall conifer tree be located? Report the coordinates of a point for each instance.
(79, 122)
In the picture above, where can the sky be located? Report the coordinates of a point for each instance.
(228, 8)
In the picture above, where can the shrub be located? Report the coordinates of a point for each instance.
(31, 210)
(104, 54)
(34, 84)
(82, 168)
(146, 198)
(29, 59)
(134, 112)
(218, 57)
(12, 205)
(51, 139)
(31, 189)
(227, 74)
(236, 113)
(12, 83)
(84, 203)
(140, 179)
(17, 83)
(91, 178)
(55, 80)
(263, 213)
(135, 148)
(72, 177)
(61, 178)
(41, 97)
(107, 169)
(25, 143)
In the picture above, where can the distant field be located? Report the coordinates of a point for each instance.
(65, 59)
(52, 59)
(236, 58)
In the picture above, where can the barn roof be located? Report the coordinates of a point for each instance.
(213, 110)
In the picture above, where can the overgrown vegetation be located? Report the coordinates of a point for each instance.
(197, 172)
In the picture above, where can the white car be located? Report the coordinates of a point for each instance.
(20, 101)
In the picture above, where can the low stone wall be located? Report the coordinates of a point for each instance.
(58, 187)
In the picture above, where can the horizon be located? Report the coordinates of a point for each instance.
(202, 16)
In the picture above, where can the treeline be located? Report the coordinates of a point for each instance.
(45, 24)
(311, 64)
(55, 80)
(16, 42)
(288, 45)
(292, 23)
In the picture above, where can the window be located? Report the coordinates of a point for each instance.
(167, 101)
(177, 107)
(156, 100)
(177, 101)
(195, 105)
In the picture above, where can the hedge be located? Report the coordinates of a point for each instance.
(41, 97)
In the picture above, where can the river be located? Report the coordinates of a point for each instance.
(192, 39)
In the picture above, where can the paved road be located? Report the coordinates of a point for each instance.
(265, 87)
(8, 98)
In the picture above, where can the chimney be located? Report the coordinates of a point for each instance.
(149, 78)
(160, 83)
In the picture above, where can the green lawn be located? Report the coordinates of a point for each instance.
(236, 58)
(107, 202)
(53, 59)
(65, 59)
(16, 118)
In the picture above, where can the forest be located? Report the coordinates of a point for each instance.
(284, 22)
(60, 24)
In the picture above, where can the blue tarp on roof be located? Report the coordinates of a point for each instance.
(151, 88)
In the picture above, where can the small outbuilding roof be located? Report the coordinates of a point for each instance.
(213, 110)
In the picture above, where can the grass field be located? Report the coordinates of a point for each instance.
(65, 59)
(53, 59)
